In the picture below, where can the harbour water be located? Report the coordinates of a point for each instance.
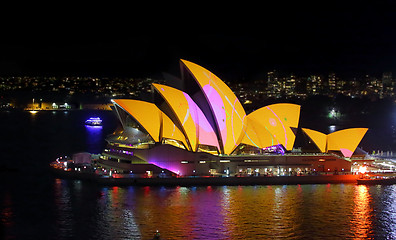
(35, 205)
(61, 209)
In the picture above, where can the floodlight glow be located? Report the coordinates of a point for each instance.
(362, 169)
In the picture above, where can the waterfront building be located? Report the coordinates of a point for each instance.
(332, 79)
(315, 85)
(290, 86)
(301, 87)
(341, 86)
(374, 86)
(388, 84)
(274, 84)
(204, 130)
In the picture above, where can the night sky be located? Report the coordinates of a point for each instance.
(238, 43)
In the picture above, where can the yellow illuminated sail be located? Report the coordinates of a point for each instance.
(276, 124)
(345, 140)
(257, 135)
(225, 107)
(229, 125)
(190, 116)
(320, 139)
(147, 114)
(171, 131)
(289, 113)
(150, 117)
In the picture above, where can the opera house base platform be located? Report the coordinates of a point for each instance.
(123, 180)
(229, 181)
(167, 160)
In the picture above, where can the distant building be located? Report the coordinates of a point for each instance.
(274, 84)
(374, 86)
(314, 85)
(290, 86)
(332, 82)
(388, 85)
(49, 106)
(341, 86)
(301, 87)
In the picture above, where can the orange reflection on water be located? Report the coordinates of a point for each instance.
(266, 211)
(361, 223)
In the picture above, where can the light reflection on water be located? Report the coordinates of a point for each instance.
(331, 211)
(361, 223)
(79, 210)
(94, 138)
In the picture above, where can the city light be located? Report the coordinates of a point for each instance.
(362, 169)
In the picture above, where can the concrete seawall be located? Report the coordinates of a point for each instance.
(216, 181)
(206, 181)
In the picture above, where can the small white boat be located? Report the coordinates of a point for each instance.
(94, 121)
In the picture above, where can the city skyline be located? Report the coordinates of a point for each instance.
(273, 81)
(57, 93)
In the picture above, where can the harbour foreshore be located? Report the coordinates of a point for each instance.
(209, 181)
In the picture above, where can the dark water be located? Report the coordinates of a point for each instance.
(61, 209)
(34, 205)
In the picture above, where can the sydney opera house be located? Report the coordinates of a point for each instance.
(202, 129)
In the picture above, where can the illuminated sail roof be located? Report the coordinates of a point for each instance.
(345, 140)
(152, 119)
(257, 135)
(213, 116)
(224, 106)
(171, 131)
(320, 139)
(190, 117)
(289, 113)
(277, 119)
(147, 114)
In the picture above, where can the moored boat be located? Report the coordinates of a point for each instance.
(78, 167)
(94, 121)
(377, 181)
